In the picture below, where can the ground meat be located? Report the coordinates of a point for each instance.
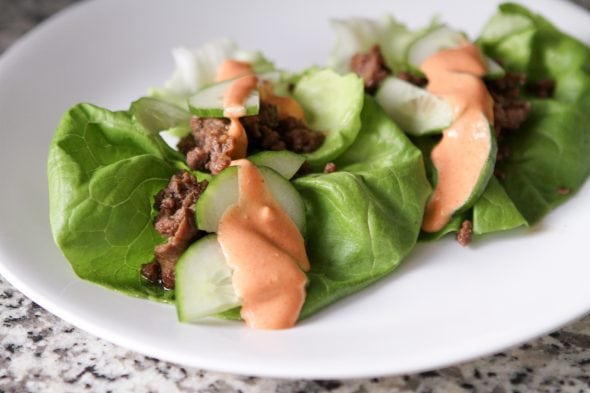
(465, 234)
(510, 116)
(267, 131)
(510, 111)
(262, 129)
(207, 148)
(175, 220)
(151, 272)
(370, 66)
(508, 87)
(298, 137)
(416, 80)
(541, 89)
(330, 167)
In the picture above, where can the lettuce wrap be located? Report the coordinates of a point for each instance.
(549, 156)
(106, 167)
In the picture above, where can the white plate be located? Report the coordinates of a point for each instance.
(446, 304)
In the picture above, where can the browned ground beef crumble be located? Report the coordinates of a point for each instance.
(465, 233)
(510, 110)
(330, 167)
(176, 221)
(268, 131)
(208, 146)
(370, 66)
(541, 89)
(414, 79)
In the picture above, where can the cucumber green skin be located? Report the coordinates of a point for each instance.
(486, 173)
(156, 115)
(219, 112)
(228, 180)
(284, 162)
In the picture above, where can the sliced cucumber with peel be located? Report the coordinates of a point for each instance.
(413, 108)
(208, 102)
(440, 38)
(284, 162)
(156, 115)
(495, 70)
(223, 191)
(203, 282)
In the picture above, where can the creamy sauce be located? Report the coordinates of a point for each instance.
(233, 101)
(266, 252)
(459, 158)
(238, 134)
(286, 106)
(236, 94)
(230, 69)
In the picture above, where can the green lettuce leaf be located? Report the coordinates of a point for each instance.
(332, 105)
(157, 115)
(364, 218)
(494, 211)
(550, 154)
(104, 170)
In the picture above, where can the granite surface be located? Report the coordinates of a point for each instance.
(41, 353)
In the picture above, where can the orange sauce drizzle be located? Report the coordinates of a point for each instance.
(233, 100)
(455, 75)
(266, 252)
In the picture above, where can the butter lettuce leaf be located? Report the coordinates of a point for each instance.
(104, 170)
(494, 211)
(364, 218)
(332, 105)
(550, 154)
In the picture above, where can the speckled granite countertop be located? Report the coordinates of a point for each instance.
(41, 353)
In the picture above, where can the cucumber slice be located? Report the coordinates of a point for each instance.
(284, 162)
(203, 282)
(432, 41)
(209, 101)
(440, 38)
(414, 109)
(495, 70)
(156, 115)
(223, 191)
